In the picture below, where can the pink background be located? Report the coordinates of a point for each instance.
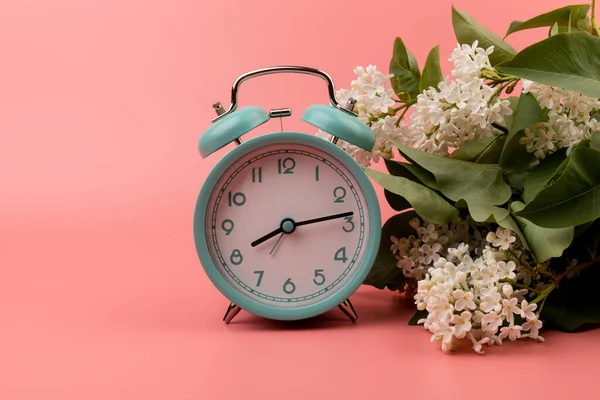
(101, 292)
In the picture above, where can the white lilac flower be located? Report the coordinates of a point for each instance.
(384, 101)
(462, 324)
(373, 103)
(527, 310)
(462, 290)
(459, 252)
(510, 308)
(463, 300)
(428, 232)
(513, 332)
(431, 253)
(533, 325)
(506, 269)
(394, 246)
(490, 300)
(446, 334)
(501, 238)
(460, 109)
(570, 119)
(491, 322)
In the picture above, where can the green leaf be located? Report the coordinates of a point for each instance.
(508, 119)
(411, 171)
(544, 243)
(528, 113)
(470, 150)
(395, 201)
(569, 61)
(541, 175)
(565, 16)
(517, 181)
(595, 141)
(575, 304)
(432, 72)
(419, 314)
(413, 65)
(458, 179)
(482, 151)
(385, 273)
(571, 198)
(461, 205)
(467, 30)
(481, 212)
(584, 24)
(515, 158)
(557, 29)
(583, 143)
(426, 202)
(405, 69)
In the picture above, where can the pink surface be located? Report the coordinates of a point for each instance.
(101, 292)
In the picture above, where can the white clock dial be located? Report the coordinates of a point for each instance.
(285, 187)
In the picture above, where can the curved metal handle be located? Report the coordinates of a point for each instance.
(279, 70)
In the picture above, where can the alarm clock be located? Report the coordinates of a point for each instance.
(286, 225)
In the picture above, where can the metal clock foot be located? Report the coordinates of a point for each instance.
(232, 311)
(348, 309)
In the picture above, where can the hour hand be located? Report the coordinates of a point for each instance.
(266, 237)
(288, 226)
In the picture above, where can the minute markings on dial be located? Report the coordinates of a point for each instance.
(300, 223)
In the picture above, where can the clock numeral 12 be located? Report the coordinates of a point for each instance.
(289, 287)
(286, 166)
(257, 175)
(317, 173)
(340, 255)
(260, 276)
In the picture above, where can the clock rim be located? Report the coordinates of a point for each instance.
(266, 310)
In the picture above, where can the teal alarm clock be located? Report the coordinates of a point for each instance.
(287, 225)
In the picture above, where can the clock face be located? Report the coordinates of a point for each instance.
(287, 225)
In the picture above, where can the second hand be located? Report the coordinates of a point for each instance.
(276, 243)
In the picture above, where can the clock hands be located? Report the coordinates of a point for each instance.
(327, 218)
(276, 243)
(288, 226)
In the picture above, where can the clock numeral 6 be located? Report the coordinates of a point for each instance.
(260, 275)
(339, 193)
(236, 257)
(348, 221)
(227, 225)
(340, 255)
(239, 198)
(319, 277)
(286, 166)
(289, 287)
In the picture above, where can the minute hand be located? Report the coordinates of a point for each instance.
(326, 218)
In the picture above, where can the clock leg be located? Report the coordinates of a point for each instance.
(232, 311)
(349, 310)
